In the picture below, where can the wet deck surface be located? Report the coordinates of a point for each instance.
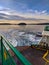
(33, 55)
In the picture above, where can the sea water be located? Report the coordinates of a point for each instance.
(21, 35)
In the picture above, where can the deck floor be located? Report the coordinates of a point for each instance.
(34, 56)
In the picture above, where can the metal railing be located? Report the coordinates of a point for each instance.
(7, 59)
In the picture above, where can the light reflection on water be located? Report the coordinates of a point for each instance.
(25, 28)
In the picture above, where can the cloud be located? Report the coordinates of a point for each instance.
(44, 11)
(36, 11)
(28, 14)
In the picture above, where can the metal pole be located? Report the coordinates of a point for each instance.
(2, 49)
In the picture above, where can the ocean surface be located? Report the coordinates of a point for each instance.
(24, 35)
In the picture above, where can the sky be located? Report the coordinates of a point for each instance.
(38, 9)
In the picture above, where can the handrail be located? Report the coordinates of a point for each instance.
(6, 58)
(12, 60)
(17, 53)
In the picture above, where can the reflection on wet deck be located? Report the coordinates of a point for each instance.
(33, 55)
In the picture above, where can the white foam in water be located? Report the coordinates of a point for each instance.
(14, 42)
(31, 37)
(21, 33)
(18, 38)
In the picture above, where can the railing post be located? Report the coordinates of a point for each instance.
(2, 49)
(15, 51)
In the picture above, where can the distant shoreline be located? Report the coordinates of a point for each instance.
(24, 24)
